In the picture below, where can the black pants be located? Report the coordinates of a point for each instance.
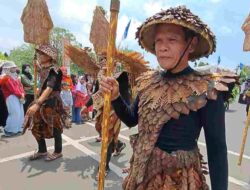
(247, 108)
(58, 142)
(94, 113)
(111, 149)
(3, 110)
(28, 99)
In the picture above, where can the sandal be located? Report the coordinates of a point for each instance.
(106, 173)
(125, 170)
(119, 150)
(54, 156)
(37, 156)
(98, 139)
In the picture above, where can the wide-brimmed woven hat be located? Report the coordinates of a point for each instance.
(183, 17)
(48, 50)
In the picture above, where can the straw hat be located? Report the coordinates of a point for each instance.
(183, 17)
(48, 50)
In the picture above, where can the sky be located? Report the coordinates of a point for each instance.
(224, 17)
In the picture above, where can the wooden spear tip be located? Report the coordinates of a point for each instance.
(115, 5)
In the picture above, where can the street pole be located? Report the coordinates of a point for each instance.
(244, 138)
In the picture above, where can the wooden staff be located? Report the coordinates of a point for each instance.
(35, 76)
(244, 138)
(114, 9)
(37, 25)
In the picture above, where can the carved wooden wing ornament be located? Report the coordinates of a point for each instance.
(133, 62)
(246, 28)
(37, 22)
(99, 31)
(82, 58)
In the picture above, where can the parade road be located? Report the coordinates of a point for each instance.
(77, 169)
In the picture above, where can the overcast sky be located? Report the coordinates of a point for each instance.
(224, 17)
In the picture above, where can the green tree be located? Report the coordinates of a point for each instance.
(3, 56)
(103, 10)
(22, 54)
(201, 63)
(125, 49)
(244, 73)
(234, 94)
(56, 39)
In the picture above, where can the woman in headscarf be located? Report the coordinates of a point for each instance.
(28, 82)
(74, 80)
(79, 97)
(14, 96)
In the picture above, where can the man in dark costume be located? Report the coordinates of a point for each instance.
(245, 95)
(3, 107)
(115, 145)
(173, 105)
(45, 116)
(133, 64)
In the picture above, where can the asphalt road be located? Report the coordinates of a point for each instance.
(78, 167)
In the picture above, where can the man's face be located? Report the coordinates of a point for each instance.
(170, 43)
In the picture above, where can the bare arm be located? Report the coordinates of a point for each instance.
(45, 95)
(33, 109)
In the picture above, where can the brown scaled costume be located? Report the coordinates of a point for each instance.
(151, 167)
(164, 98)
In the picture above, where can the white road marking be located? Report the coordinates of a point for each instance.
(82, 139)
(229, 151)
(114, 168)
(93, 125)
(124, 137)
(230, 179)
(23, 155)
(238, 182)
(199, 143)
(92, 154)
(77, 145)
(125, 129)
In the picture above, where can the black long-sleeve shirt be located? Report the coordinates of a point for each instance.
(183, 134)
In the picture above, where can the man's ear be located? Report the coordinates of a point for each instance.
(193, 44)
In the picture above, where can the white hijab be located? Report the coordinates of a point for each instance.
(81, 87)
(7, 66)
(6, 71)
